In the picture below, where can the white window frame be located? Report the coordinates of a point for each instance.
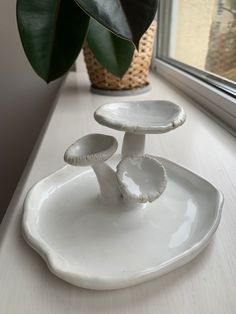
(216, 102)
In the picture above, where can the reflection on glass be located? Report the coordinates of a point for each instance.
(203, 35)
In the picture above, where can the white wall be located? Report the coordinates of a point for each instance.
(24, 104)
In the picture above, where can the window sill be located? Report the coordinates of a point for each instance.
(219, 105)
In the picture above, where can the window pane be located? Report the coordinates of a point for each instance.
(203, 35)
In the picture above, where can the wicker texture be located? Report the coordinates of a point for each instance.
(137, 74)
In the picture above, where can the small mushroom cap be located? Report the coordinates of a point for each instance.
(142, 179)
(141, 117)
(91, 149)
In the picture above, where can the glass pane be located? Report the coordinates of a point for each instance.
(203, 35)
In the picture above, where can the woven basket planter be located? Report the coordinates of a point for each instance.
(134, 78)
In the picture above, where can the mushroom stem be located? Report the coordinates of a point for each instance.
(107, 181)
(133, 144)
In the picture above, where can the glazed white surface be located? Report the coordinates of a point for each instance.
(91, 149)
(205, 285)
(141, 179)
(133, 144)
(102, 246)
(141, 117)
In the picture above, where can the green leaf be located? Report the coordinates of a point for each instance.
(52, 33)
(127, 18)
(113, 52)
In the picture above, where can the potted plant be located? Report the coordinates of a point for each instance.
(112, 78)
(53, 32)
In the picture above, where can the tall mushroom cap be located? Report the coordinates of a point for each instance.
(141, 179)
(91, 149)
(141, 117)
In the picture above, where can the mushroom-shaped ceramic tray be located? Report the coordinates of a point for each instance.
(93, 150)
(141, 179)
(137, 118)
(95, 245)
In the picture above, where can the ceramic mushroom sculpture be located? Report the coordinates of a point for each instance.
(141, 179)
(93, 150)
(138, 179)
(138, 118)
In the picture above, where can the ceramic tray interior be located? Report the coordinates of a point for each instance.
(97, 246)
(141, 117)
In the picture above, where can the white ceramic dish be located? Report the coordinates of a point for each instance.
(91, 149)
(141, 117)
(141, 179)
(137, 118)
(98, 246)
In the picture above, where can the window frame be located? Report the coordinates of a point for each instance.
(212, 94)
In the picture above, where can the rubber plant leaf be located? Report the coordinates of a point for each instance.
(112, 52)
(127, 18)
(52, 33)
